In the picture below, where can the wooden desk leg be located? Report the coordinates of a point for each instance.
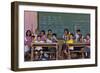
(56, 52)
(82, 50)
(69, 55)
(32, 54)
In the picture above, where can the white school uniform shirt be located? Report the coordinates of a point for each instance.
(48, 41)
(26, 48)
(76, 37)
(39, 47)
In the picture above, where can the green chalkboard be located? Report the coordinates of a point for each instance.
(59, 21)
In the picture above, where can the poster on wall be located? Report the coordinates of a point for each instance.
(52, 36)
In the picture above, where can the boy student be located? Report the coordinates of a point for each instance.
(38, 50)
(80, 39)
(77, 35)
(54, 38)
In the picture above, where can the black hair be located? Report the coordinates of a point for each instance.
(27, 33)
(43, 31)
(78, 30)
(54, 34)
(39, 36)
(66, 30)
(72, 34)
(33, 36)
(88, 34)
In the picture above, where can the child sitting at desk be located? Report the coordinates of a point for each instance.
(43, 35)
(70, 41)
(65, 46)
(38, 50)
(48, 39)
(66, 34)
(78, 36)
(54, 38)
(49, 33)
(80, 39)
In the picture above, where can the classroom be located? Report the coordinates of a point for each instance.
(56, 36)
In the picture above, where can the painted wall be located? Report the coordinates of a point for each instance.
(30, 21)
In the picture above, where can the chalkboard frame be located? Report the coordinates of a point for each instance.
(15, 36)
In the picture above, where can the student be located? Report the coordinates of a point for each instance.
(38, 50)
(52, 49)
(70, 41)
(33, 37)
(65, 47)
(80, 39)
(87, 48)
(49, 40)
(27, 42)
(49, 34)
(54, 38)
(65, 37)
(77, 35)
(66, 34)
(28, 38)
(43, 35)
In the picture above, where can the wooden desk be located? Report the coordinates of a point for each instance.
(43, 45)
(80, 45)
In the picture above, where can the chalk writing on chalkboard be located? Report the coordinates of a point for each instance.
(59, 21)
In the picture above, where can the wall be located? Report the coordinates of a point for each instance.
(30, 20)
(5, 37)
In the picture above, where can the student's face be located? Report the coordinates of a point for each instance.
(28, 33)
(78, 32)
(49, 32)
(71, 37)
(65, 32)
(88, 37)
(42, 33)
(33, 37)
(38, 38)
(53, 36)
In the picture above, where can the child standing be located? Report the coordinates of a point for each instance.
(87, 48)
(27, 42)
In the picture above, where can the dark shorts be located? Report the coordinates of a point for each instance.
(86, 49)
